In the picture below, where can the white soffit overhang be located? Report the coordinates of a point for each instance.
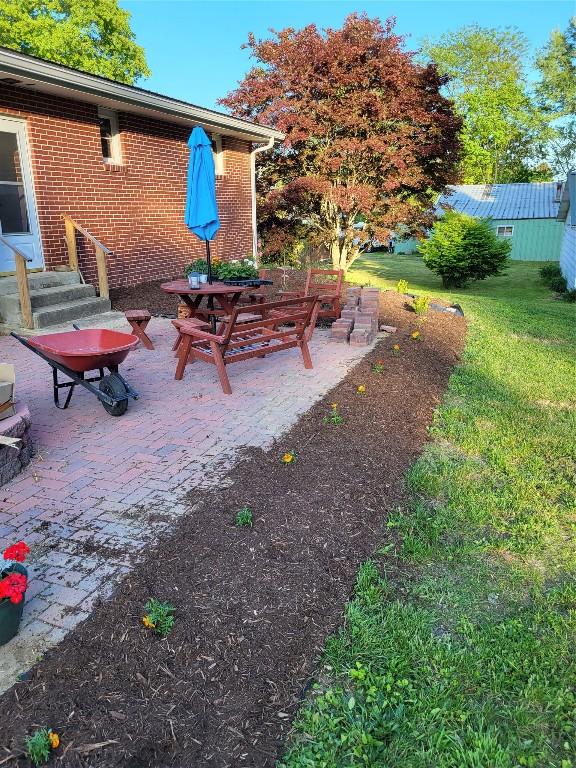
(35, 74)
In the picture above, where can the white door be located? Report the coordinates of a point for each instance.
(18, 219)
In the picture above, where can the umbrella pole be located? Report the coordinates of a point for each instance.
(210, 298)
(209, 261)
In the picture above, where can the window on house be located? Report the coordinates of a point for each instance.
(505, 231)
(109, 136)
(218, 154)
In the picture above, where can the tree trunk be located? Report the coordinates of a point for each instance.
(336, 254)
(343, 255)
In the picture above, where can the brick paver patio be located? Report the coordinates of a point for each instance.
(100, 488)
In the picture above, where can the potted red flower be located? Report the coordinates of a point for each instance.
(13, 583)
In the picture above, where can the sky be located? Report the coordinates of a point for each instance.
(194, 49)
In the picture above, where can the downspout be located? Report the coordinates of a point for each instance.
(253, 181)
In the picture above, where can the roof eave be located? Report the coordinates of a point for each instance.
(568, 201)
(72, 83)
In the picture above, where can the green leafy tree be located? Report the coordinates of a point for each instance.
(503, 130)
(91, 35)
(562, 149)
(556, 92)
(557, 65)
(462, 248)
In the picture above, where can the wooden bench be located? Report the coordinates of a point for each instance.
(239, 341)
(187, 321)
(139, 319)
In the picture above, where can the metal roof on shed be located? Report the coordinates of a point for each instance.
(535, 200)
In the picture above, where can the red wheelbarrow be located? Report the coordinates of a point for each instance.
(74, 353)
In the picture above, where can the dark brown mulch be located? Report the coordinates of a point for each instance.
(150, 296)
(254, 606)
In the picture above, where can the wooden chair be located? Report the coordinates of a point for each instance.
(241, 341)
(139, 319)
(328, 293)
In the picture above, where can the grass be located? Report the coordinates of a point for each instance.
(468, 660)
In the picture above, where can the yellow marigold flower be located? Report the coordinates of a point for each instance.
(415, 334)
(361, 389)
(54, 740)
(334, 406)
(147, 623)
(396, 347)
(288, 458)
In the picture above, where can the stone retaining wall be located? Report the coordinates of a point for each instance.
(14, 459)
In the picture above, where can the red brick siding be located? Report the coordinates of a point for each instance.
(136, 209)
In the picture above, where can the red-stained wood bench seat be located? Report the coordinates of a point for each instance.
(283, 325)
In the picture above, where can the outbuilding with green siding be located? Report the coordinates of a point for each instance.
(526, 213)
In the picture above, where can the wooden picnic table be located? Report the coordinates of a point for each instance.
(227, 297)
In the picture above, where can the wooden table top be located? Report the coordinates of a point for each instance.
(182, 287)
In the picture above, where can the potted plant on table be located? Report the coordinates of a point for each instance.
(13, 584)
(237, 271)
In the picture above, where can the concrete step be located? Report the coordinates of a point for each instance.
(113, 320)
(60, 294)
(39, 280)
(67, 312)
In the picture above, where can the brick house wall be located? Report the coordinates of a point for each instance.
(135, 209)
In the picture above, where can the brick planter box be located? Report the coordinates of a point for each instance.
(13, 460)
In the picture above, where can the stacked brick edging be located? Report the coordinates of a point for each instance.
(358, 322)
(14, 459)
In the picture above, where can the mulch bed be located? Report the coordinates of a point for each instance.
(254, 606)
(150, 296)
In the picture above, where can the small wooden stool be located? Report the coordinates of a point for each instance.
(139, 319)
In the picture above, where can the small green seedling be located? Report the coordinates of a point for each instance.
(159, 616)
(334, 417)
(38, 746)
(402, 286)
(244, 518)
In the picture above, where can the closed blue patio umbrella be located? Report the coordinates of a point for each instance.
(201, 213)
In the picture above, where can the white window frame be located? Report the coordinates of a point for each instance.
(501, 230)
(218, 154)
(115, 144)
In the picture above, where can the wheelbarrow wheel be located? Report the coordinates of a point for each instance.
(114, 388)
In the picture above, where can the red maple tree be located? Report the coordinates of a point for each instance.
(369, 137)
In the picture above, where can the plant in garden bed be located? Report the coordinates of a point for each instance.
(289, 457)
(378, 367)
(396, 349)
(244, 518)
(40, 744)
(402, 286)
(361, 389)
(420, 305)
(416, 336)
(334, 417)
(13, 584)
(159, 616)
(237, 269)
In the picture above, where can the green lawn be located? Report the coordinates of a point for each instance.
(469, 659)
